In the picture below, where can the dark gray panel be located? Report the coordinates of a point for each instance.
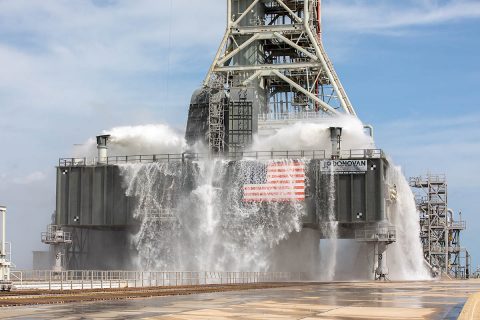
(97, 196)
(343, 198)
(358, 198)
(98, 214)
(93, 194)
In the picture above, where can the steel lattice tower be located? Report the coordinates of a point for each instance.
(273, 50)
(439, 228)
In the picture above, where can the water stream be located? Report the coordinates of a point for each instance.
(329, 246)
(195, 217)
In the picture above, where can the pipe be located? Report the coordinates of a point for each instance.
(229, 14)
(293, 14)
(319, 31)
(102, 148)
(451, 212)
(382, 267)
(312, 96)
(336, 139)
(3, 211)
(319, 17)
(369, 127)
(306, 14)
(342, 97)
(238, 49)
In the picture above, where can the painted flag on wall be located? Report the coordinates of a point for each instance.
(284, 182)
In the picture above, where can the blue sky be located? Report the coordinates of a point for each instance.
(70, 69)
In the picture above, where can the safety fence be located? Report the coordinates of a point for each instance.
(95, 279)
(376, 234)
(293, 116)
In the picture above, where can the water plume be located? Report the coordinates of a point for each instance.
(330, 230)
(314, 134)
(406, 254)
(194, 217)
(137, 140)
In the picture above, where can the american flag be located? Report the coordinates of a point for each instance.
(284, 182)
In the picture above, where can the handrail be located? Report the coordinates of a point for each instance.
(460, 225)
(239, 155)
(376, 234)
(94, 279)
(293, 116)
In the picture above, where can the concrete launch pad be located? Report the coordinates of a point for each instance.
(389, 300)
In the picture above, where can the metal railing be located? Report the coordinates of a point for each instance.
(293, 116)
(362, 154)
(96, 279)
(458, 225)
(56, 235)
(247, 155)
(272, 155)
(376, 234)
(476, 274)
(241, 155)
(426, 180)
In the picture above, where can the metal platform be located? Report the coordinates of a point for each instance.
(93, 206)
(440, 228)
(240, 155)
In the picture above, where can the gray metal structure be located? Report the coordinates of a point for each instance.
(271, 65)
(92, 203)
(59, 240)
(94, 196)
(272, 51)
(440, 228)
(92, 208)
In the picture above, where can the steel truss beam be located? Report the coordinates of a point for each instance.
(439, 228)
(291, 38)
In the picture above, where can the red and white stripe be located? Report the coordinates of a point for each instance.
(285, 182)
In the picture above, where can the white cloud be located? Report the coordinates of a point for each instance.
(72, 55)
(435, 144)
(378, 16)
(70, 69)
(441, 145)
(31, 178)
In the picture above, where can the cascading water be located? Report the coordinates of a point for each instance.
(196, 219)
(404, 254)
(330, 230)
(155, 187)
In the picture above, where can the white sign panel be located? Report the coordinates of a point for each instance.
(344, 166)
